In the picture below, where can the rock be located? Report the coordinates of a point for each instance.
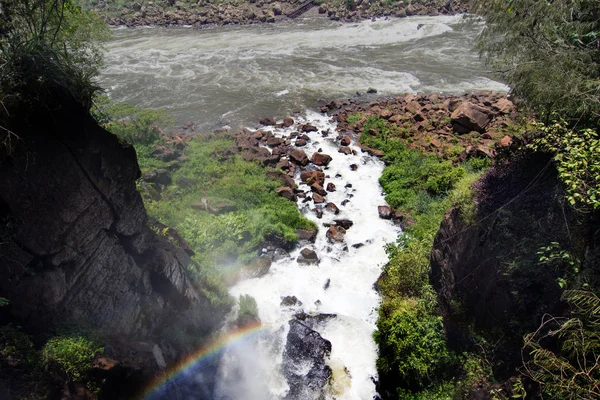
(316, 176)
(330, 187)
(299, 157)
(287, 192)
(318, 199)
(290, 301)
(320, 159)
(308, 256)
(346, 140)
(371, 90)
(300, 143)
(358, 245)
(344, 223)
(331, 207)
(267, 121)
(306, 235)
(469, 117)
(285, 179)
(386, 114)
(353, 167)
(307, 128)
(385, 212)
(287, 122)
(160, 176)
(316, 188)
(274, 141)
(345, 150)
(307, 348)
(506, 141)
(256, 268)
(327, 284)
(165, 153)
(335, 233)
(504, 106)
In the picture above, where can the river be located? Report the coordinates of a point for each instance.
(231, 76)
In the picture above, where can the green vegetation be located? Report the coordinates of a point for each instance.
(414, 361)
(74, 355)
(248, 307)
(546, 51)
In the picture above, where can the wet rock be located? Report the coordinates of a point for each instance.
(285, 179)
(345, 201)
(290, 301)
(307, 128)
(327, 284)
(300, 143)
(321, 159)
(274, 141)
(344, 223)
(299, 157)
(345, 150)
(318, 199)
(305, 347)
(267, 121)
(346, 140)
(316, 188)
(332, 208)
(307, 256)
(348, 185)
(385, 212)
(353, 167)
(358, 245)
(330, 187)
(319, 212)
(287, 122)
(287, 192)
(371, 90)
(386, 114)
(470, 117)
(335, 233)
(256, 268)
(504, 106)
(313, 320)
(159, 176)
(306, 235)
(310, 177)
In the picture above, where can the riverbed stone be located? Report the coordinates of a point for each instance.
(299, 157)
(321, 159)
(308, 256)
(335, 233)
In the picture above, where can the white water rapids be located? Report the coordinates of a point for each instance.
(351, 271)
(231, 76)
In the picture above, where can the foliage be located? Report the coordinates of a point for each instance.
(48, 47)
(412, 344)
(248, 307)
(547, 51)
(135, 125)
(577, 157)
(354, 118)
(563, 352)
(3, 302)
(74, 354)
(463, 196)
(16, 348)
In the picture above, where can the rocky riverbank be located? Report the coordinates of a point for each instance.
(203, 14)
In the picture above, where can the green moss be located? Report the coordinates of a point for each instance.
(354, 118)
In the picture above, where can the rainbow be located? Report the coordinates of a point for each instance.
(186, 365)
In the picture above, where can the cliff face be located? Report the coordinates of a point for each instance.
(488, 275)
(75, 245)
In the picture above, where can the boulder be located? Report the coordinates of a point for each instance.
(299, 157)
(300, 143)
(506, 141)
(306, 235)
(353, 167)
(165, 153)
(290, 301)
(320, 159)
(287, 192)
(346, 140)
(470, 117)
(305, 347)
(308, 256)
(385, 212)
(315, 176)
(267, 121)
(308, 128)
(316, 188)
(335, 233)
(344, 223)
(285, 179)
(318, 199)
(331, 207)
(287, 122)
(274, 141)
(504, 106)
(256, 268)
(160, 176)
(330, 187)
(345, 150)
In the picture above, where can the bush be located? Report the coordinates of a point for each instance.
(248, 307)
(73, 354)
(412, 345)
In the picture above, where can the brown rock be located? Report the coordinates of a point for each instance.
(320, 159)
(318, 199)
(308, 235)
(287, 122)
(283, 178)
(344, 223)
(316, 176)
(267, 121)
(308, 256)
(345, 150)
(386, 114)
(385, 212)
(335, 233)
(330, 187)
(346, 140)
(274, 141)
(506, 141)
(353, 167)
(286, 192)
(299, 157)
(470, 117)
(331, 207)
(317, 188)
(504, 106)
(300, 142)
(308, 128)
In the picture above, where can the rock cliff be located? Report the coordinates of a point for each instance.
(75, 247)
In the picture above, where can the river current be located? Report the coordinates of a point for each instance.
(231, 76)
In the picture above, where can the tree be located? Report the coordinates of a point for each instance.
(548, 52)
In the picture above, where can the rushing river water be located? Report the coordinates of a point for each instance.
(230, 76)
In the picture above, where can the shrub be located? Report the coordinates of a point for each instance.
(73, 354)
(248, 307)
